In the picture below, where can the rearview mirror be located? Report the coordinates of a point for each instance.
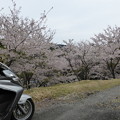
(10, 74)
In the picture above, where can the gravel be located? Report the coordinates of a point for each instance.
(103, 105)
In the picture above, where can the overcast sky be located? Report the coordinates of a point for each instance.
(72, 19)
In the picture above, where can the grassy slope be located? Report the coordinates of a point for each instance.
(77, 89)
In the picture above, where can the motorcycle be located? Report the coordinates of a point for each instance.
(14, 105)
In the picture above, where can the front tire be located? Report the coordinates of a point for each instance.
(24, 111)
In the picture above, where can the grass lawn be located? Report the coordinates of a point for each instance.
(77, 88)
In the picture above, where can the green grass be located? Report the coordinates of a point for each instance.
(79, 89)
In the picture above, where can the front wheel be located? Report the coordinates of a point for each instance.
(24, 111)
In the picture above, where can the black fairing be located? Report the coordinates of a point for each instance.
(6, 100)
(10, 93)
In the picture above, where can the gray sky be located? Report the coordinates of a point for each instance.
(72, 19)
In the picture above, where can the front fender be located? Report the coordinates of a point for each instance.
(23, 98)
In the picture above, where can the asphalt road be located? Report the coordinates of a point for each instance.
(104, 105)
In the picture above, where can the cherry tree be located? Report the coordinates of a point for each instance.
(20, 35)
(81, 58)
(69, 54)
(109, 48)
(24, 42)
(87, 56)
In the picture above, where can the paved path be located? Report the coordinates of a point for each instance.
(100, 106)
